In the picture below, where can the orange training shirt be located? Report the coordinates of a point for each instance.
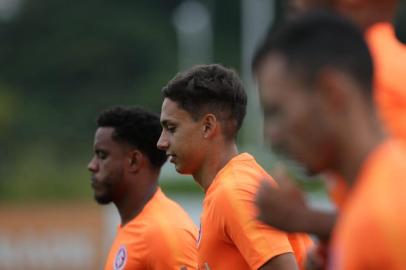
(389, 56)
(161, 237)
(230, 236)
(371, 229)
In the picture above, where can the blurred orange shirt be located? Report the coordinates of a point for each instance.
(230, 236)
(371, 229)
(161, 237)
(389, 56)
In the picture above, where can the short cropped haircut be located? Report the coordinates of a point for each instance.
(137, 127)
(210, 89)
(319, 39)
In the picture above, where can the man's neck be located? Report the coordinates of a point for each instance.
(355, 150)
(215, 160)
(136, 198)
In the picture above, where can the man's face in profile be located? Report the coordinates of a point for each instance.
(293, 122)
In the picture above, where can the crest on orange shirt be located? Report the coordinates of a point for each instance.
(121, 258)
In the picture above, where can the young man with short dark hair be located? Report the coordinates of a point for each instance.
(202, 111)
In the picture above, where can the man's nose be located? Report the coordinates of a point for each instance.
(163, 142)
(92, 166)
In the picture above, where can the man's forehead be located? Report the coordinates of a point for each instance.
(104, 140)
(171, 111)
(273, 71)
(103, 134)
(276, 80)
(274, 62)
(169, 105)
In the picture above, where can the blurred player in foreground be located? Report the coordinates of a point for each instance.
(375, 19)
(155, 232)
(316, 78)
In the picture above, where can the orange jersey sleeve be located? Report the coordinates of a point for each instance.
(231, 237)
(161, 237)
(371, 230)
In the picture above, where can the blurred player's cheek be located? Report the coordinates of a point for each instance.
(273, 136)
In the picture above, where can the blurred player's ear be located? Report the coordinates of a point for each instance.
(332, 87)
(135, 160)
(209, 125)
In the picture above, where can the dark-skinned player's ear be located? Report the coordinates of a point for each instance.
(135, 160)
(130, 161)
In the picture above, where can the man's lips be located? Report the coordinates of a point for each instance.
(93, 182)
(172, 158)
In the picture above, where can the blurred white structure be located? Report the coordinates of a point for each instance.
(256, 18)
(9, 8)
(194, 31)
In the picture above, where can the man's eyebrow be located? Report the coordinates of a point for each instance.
(98, 149)
(167, 122)
(164, 122)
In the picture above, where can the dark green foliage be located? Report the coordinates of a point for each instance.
(62, 62)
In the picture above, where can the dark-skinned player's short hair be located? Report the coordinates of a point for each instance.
(137, 127)
(316, 40)
(210, 89)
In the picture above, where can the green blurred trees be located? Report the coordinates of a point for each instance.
(63, 61)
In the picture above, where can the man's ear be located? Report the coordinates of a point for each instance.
(333, 87)
(135, 160)
(209, 125)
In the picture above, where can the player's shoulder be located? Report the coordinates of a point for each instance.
(239, 188)
(168, 215)
(241, 175)
(242, 170)
(171, 226)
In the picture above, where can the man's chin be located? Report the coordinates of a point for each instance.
(102, 200)
(178, 168)
(183, 171)
(308, 169)
(312, 172)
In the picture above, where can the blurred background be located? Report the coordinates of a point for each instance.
(62, 62)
